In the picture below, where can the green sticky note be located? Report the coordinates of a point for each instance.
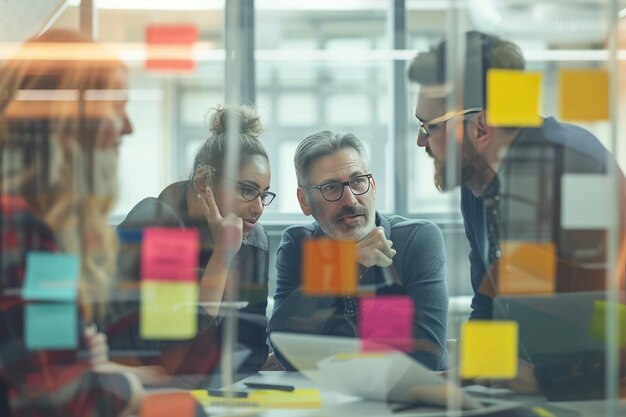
(168, 310)
(51, 276)
(598, 321)
(51, 326)
(489, 349)
(513, 98)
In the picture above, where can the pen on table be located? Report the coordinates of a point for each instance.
(409, 406)
(228, 394)
(256, 385)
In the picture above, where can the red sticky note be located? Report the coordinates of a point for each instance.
(168, 404)
(169, 254)
(329, 267)
(386, 323)
(170, 47)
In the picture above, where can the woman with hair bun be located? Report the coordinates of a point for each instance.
(233, 250)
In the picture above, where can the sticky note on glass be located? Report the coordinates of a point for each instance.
(130, 236)
(168, 404)
(51, 276)
(584, 95)
(513, 98)
(489, 349)
(527, 268)
(329, 267)
(168, 310)
(599, 318)
(51, 326)
(170, 47)
(169, 254)
(386, 323)
(588, 201)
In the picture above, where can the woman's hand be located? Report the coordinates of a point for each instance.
(97, 346)
(226, 232)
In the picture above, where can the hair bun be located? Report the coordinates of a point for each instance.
(249, 120)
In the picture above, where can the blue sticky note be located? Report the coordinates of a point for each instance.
(51, 276)
(130, 236)
(51, 326)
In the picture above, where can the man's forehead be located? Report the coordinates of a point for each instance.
(430, 104)
(342, 164)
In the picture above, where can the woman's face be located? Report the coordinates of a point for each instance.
(110, 108)
(254, 176)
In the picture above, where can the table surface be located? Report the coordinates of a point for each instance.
(336, 404)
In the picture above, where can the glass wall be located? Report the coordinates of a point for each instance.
(313, 194)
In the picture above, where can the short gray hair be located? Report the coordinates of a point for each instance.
(322, 144)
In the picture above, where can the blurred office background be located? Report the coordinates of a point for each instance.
(319, 64)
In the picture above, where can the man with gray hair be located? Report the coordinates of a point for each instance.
(395, 255)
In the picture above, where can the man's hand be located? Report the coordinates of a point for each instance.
(524, 383)
(375, 249)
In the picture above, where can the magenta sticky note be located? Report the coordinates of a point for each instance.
(169, 254)
(386, 323)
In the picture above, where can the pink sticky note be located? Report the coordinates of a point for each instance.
(169, 254)
(386, 323)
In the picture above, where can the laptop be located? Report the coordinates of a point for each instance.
(338, 365)
(558, 323)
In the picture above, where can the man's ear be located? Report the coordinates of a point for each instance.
(374, 186)
(482, 133)
(304, 204)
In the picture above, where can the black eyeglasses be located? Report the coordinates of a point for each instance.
(426, 127)
(250, 193)
(333, 191)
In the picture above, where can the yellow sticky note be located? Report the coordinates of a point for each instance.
(598, 321)
(329, 267)
(168, 310)
(584, 95)
(489, 349)
(513, 98)
(527, 268)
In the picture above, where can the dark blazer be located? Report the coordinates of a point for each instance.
(530, 189)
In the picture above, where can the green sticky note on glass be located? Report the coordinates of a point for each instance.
(51, 276)
(168, 310)
(599, 318)
(51, 326)
(513, 98)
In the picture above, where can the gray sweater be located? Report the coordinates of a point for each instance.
(419, 264)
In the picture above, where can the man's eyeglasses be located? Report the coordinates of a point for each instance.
(250, 193)
(333, 191)
(426, 127)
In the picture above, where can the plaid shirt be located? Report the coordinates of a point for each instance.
(42, 383)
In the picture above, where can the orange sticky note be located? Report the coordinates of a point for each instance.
(168, 404)
(513, 98)
(489, 349)
(527, 268)
(170, 254)
(170, 47)
(330, 267)
(168, 310)
(584, 94)
(386, 323)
